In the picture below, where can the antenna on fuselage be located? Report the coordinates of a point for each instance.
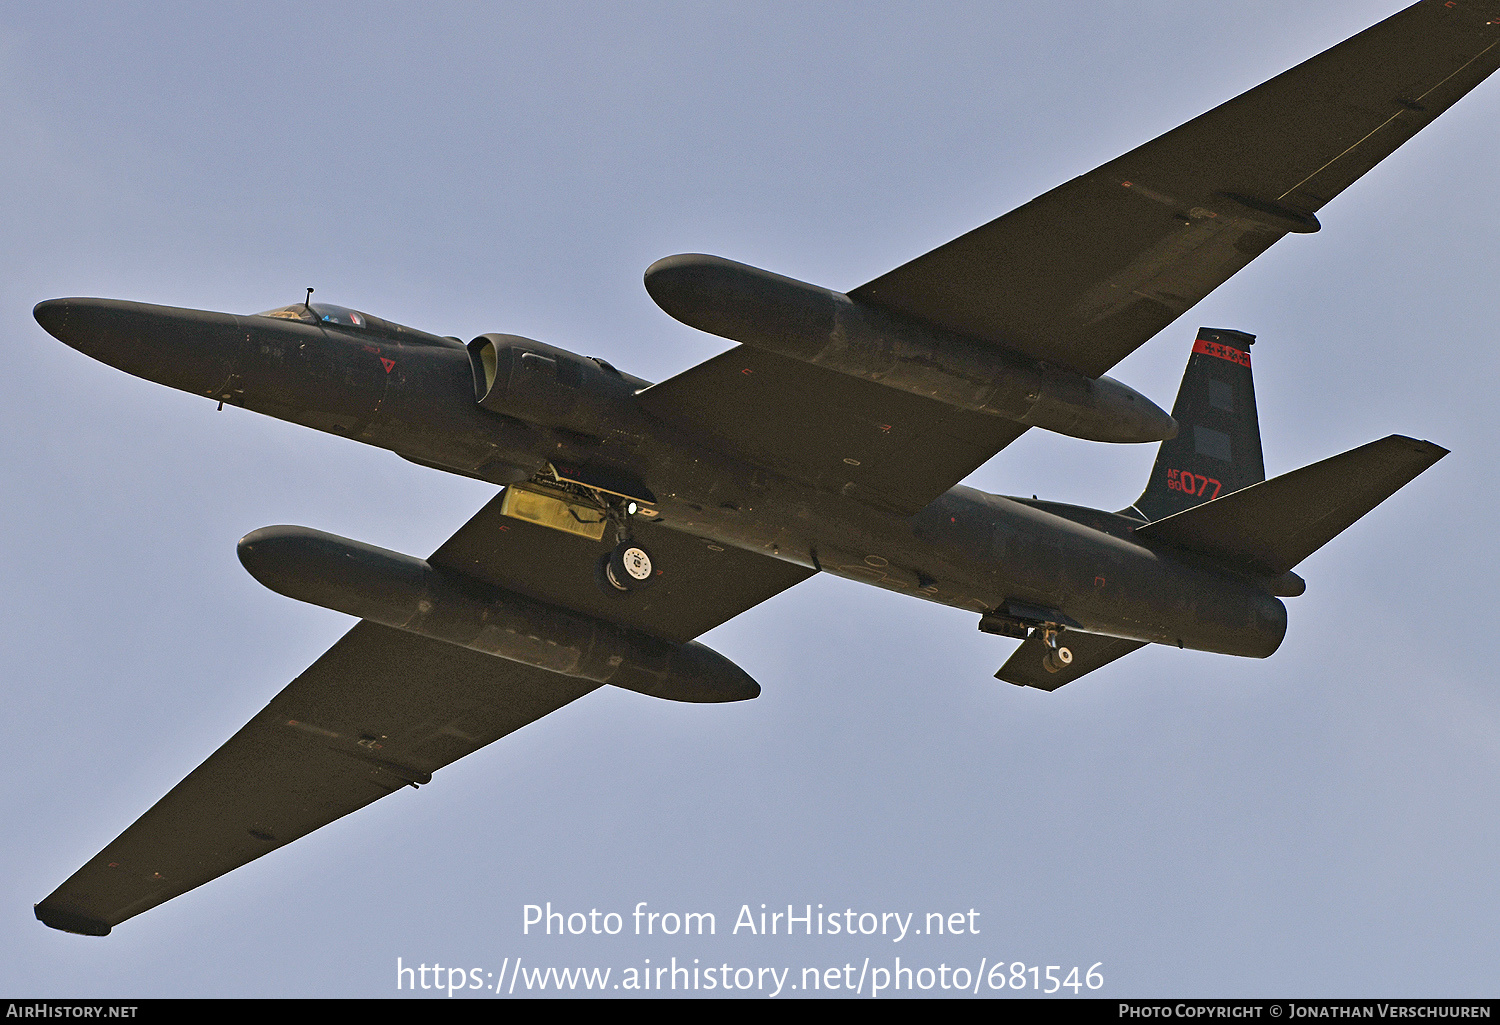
(308, 301)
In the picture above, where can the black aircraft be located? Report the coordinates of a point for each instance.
(636, 516)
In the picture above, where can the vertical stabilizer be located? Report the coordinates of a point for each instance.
(1217, 448)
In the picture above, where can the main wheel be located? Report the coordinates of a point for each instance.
(605, 581)
(627, 568)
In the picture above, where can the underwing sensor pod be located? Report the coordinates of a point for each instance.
(408, 594)
(828, 329)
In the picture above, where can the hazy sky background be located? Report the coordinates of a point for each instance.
(1320, 823)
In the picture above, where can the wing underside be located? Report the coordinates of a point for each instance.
(380, 710)
(701, 584)
(1086, 273)
(885, 447)
(384, 709)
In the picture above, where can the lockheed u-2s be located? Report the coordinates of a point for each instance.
(832, 438)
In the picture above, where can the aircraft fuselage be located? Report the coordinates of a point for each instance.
(416, 395)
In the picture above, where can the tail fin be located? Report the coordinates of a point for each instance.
(1272, 526)
(1217, 448)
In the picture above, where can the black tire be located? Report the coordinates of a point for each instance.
(630, 567)
(607, 585)
(1057, 659)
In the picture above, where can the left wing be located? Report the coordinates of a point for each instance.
(384, 709)
(1084, 275)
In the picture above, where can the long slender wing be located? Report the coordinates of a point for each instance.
(380, 710)
(384, 709)
(1085, 274)
(886, 447)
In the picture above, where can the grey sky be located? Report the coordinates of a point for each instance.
(1321, 823)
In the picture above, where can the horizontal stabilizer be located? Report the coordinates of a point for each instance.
(1090, 651)
(1276, 524)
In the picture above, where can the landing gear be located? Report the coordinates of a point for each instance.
(628, 567)
(1057, 658)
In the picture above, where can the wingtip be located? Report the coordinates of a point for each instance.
(74, 922)
(1436, 451)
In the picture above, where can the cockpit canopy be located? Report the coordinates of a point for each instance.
(319, 313)
(339, 316)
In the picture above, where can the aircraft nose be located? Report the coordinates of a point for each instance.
(53, 316)
(101, 328)
(92, 326)
(187, 349)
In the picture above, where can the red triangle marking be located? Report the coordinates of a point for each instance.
(389, 364)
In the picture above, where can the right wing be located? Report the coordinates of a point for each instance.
(384, 709)
(381, 710)
(701, 584)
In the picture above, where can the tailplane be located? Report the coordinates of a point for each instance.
(1208, 497)
(1217, 447)
(1270, 527)
(1208, 491)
